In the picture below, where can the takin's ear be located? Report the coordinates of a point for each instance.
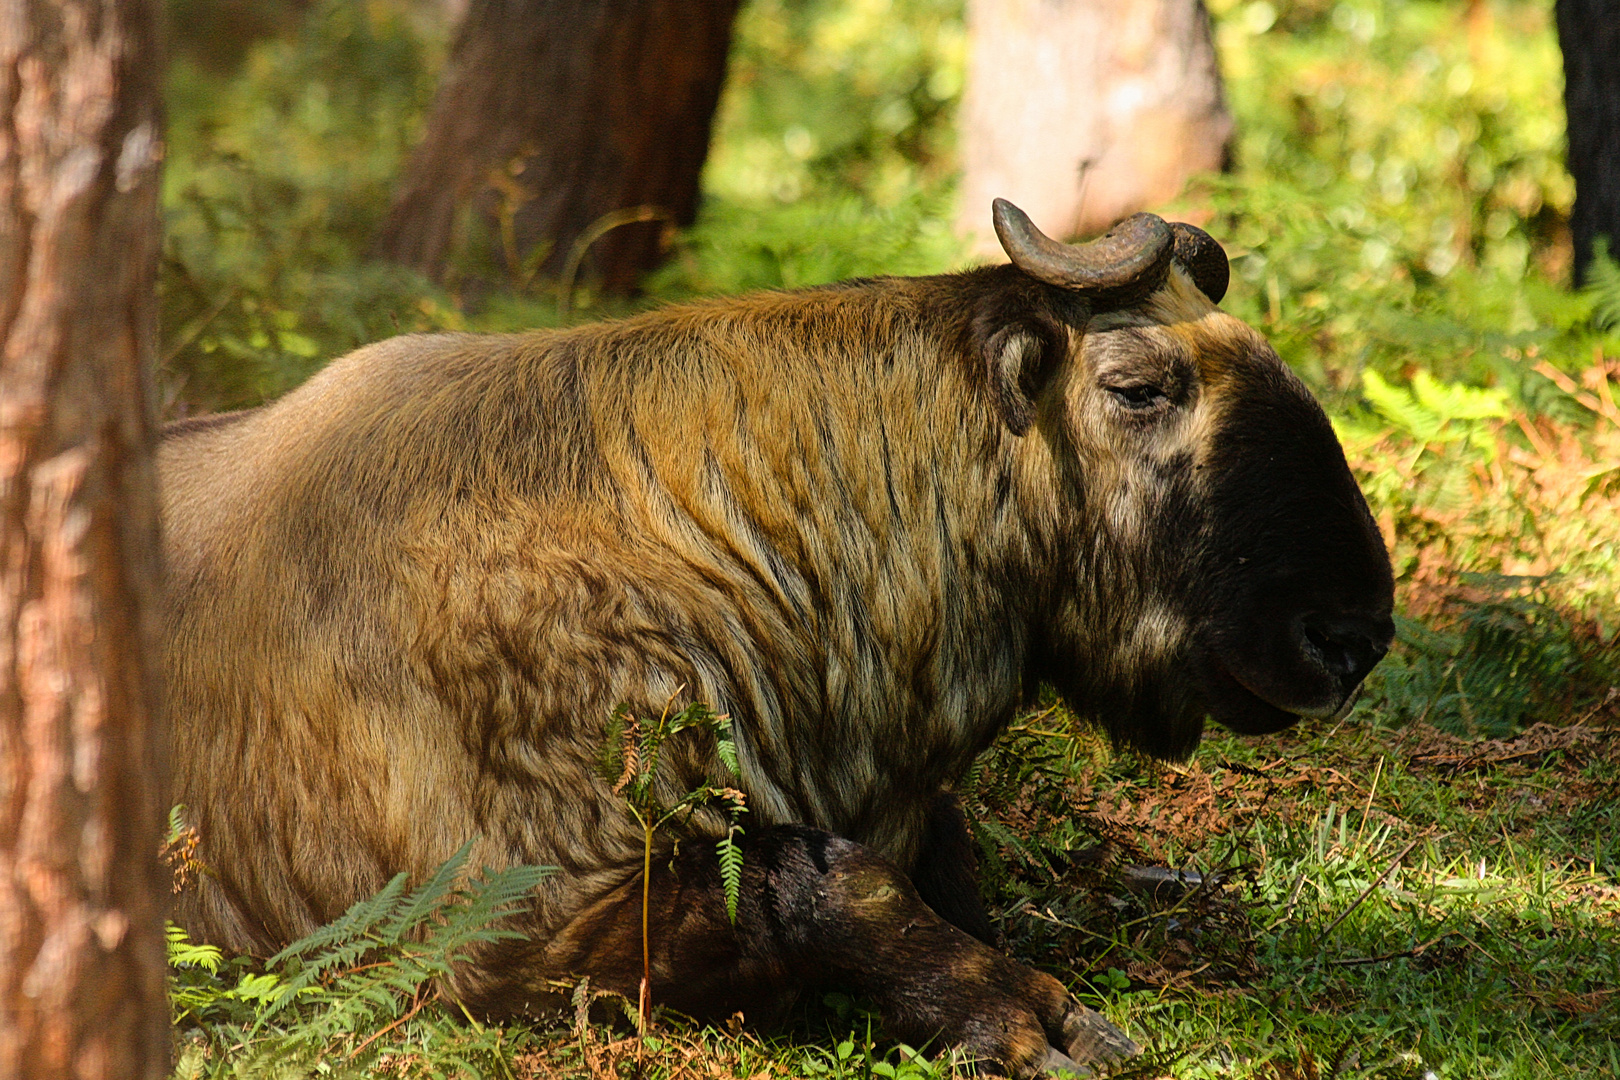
(1019, 357)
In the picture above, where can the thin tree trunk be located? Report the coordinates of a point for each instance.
(1589, 34)
(1085, 111)
(555, 113)
(82, 892)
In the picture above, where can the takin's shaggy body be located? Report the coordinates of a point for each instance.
(866, 521)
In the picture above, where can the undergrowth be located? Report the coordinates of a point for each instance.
(353, 997)
(1355, 902)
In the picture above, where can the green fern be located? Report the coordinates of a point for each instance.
(993, 836)
(1603, 285)
(1494, 659)
(1431, 411)
(629, 762)
(725, 745)
(374, 969)
(371, 964)
(731, 867)
(610, 762)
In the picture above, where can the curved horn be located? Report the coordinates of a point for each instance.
(1136, 248)
(1203, 258)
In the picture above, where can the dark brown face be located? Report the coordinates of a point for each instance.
(1297, 590)
(1220, 558)
(1235, 565)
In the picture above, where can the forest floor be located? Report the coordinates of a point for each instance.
(1373, 903)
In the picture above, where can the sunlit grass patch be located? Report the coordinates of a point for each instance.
(1393, 903)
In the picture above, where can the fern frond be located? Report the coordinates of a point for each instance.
(725, 745)
(610, 766)
(364, 967)
(1603, 284)
(476, 916)
(348, 929)
(731, 868)
(1400, 408)
(695, 715)
(177, 825)
(422, 902)
(1455, 401)
(183, 952)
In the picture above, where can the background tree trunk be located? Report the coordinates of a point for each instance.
(1085, 111)
(554, 113)
(82, 891)
(1589, 34)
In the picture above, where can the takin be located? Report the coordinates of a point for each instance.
(867, 521)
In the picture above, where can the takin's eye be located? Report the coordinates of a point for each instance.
(1139, 397)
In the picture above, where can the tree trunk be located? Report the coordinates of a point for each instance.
(555, 113)
(1589, 34)
(82, 891)
(1085, 111)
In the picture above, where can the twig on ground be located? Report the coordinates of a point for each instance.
(1367, 809)
(1417, 950)
(1368, 891)
(422, 999)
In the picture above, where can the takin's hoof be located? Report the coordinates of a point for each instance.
(1057, 1063)
(1089, 1039)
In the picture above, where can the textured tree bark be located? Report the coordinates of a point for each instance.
(82, 892)
(555, 113)
(1085, 111)
(1589, 34)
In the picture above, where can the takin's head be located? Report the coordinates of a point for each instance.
(1226, 560)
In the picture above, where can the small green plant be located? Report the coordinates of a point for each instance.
(1432, 412)
(334, 995)
(1442, 430)
(630, 759)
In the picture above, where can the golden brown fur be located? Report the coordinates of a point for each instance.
(445, 559)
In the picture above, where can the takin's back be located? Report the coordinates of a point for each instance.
(422, 581)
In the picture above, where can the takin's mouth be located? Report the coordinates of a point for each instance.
(1234, 705)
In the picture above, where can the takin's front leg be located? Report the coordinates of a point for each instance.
(819, 911)
(946, 874)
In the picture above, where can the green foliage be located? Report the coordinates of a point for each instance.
(1498, 657)
(277, 178)
(629, 761)
(1603, 286)
(1445, 429)
(833, 98)
(1435, 412)
(859, 1057)
(631, 755)
(735, 248)
(731, 866)
(1400, 193)
(376, 969)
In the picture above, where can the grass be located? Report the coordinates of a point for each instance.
(1397, 902)
(1432, 887)
(1378, 903)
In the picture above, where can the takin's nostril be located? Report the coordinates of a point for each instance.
(1347, 646)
